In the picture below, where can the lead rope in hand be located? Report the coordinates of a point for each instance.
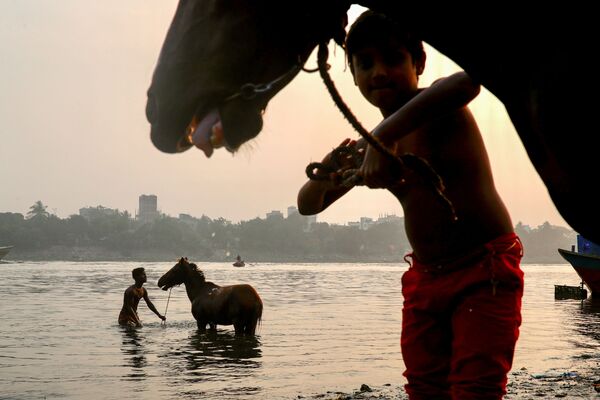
(416, 163)
(322, 171)
(166, 307)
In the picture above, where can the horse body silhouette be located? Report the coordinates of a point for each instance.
(237, 305)
(527, 55)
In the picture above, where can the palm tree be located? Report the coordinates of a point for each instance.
(38, 209)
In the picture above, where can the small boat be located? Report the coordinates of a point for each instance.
(4, 251)
(586, 262)
(239, 262)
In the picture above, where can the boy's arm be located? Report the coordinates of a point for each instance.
(441, 98)
(151, 306)
(315, 196)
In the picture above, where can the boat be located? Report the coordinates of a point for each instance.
(4, 251)
(239, 262)
(586, 262)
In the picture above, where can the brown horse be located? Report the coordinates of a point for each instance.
(223, 61)
(237, 305)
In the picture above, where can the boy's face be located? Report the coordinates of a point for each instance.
(386, 75)
(141, 277)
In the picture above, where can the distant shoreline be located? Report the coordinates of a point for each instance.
(98, 254)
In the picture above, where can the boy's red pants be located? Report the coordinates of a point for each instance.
(460, 323)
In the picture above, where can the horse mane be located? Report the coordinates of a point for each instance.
(194, 268)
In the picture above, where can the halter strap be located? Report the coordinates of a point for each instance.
(249, 91)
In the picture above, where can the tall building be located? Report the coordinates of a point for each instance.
(147, 210)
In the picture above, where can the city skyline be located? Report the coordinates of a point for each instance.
(285, 213)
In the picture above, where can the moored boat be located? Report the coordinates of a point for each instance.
(586, 262)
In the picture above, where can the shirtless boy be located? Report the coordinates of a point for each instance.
(462, 292)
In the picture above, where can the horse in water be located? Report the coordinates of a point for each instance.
(222, 62)
(237, 305)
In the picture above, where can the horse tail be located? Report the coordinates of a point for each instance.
(258, 310)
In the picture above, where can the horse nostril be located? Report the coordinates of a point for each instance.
(151, 108)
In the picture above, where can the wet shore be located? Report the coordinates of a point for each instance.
(522, 385)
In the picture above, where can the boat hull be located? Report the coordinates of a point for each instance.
(587, 267)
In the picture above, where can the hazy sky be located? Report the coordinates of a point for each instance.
(73, 81)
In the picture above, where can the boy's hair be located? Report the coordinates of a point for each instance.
(372, 29)
(136, 271)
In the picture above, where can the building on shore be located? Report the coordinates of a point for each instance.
(148, 208)
(91, 213)
(275, 214)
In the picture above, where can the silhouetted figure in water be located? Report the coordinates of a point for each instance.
(239, 262)
(131, 299)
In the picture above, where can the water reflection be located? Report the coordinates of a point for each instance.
(228, 347)
(135, 353)
(209, 355)
(230, 354)
(204, 361)
(591, 306)
(588, 322)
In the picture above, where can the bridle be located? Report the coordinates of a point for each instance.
(249, 91)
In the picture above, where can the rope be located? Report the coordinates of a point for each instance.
(321, 171)
(167, 306)
(416, 163)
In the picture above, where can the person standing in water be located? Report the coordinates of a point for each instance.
(128, 315)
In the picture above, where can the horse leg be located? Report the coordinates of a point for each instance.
(251, 327)
(239, 327)
(201, 326)
(212, 327)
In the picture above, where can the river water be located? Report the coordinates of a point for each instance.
(325, 327)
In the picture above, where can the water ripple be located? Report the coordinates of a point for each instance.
(325, 327)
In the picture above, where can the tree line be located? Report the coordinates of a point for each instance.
(40, 235)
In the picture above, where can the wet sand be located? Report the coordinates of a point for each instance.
(522, 385)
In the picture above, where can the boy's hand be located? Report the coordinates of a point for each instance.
(376, 170)
(344, 161)
(331, 171)
(162, 317)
